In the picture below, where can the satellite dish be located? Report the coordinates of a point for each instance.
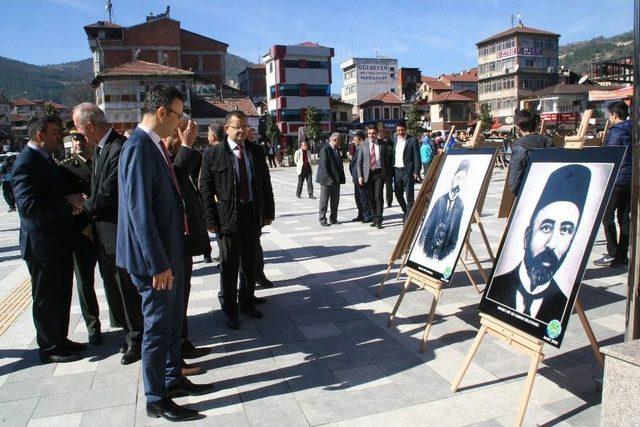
(583, 79)
(508, 120)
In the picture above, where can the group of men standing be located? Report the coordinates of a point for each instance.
(375, 163)
(135, 208)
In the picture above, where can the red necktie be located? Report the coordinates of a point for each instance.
(242, 173)
(372, 156)
(174, 180)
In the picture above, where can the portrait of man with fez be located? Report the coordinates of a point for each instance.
(440, 233)
(530, 288)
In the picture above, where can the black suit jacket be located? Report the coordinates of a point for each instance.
(505, 287)
(102, 205)
(410, 155)
(330, 170)
(46, 221)
(184, 165)
(219, 186)
(440, 233)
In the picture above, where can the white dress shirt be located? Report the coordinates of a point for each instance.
(400, 143)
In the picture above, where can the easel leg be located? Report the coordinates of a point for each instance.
(475, 259)
(379, 290)
(531, 376)
(432, 313)
(467, 360)
(484, 237)
(587, 329)
(466, 270)
(404, 290)
(404, 262)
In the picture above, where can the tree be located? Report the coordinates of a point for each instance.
(312, 124)
(414, 122)
(272, 130)
(485, 117)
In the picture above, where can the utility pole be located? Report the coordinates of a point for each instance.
(109, 8)
(632, 323)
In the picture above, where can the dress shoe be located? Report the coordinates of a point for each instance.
(75, 347)
(251, 311)
(373, 223)
(188, 370)
(62, 357)
(170, 411)
(190, 352)
(335, 222)
(265, 283)
(233, 322)
(123, 348)
(96, 339)
(358, 218)
(299, 196)
(130, 356)
(207, 259)
(183, 387)
(324, 223)
(311, 196)
(379, 225)
(258, 300)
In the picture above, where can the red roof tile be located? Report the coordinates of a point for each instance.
(434, 83)
(383, 98)
(452, 96)
(144, 68)
(103, 24)
(466, 76)
(518, 29)
(22, 102)
(229, 104)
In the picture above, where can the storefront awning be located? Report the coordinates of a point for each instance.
(607, 95)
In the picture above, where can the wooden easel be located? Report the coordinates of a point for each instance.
(427, 283)
(578, 140)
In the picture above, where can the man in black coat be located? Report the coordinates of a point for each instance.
(406, 166)
(185, 161)
(441, 231)
(372, 166)
(77, 169)
(238, 201)
(530, 288)
(46, 211)
(362, 199)
(102, 206)
(330, 175)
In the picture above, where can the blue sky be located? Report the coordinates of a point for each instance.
(436, 36)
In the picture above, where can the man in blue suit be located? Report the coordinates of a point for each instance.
(152, 226)
(47, 225)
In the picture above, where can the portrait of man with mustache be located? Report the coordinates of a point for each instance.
(440, 234)
(530, 288)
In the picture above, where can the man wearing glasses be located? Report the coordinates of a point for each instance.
(238, 201)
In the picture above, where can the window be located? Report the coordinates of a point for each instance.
(392, 75)
(289, 90)
(343, 116)
(396, 113)
(386, 115)
(376, 113)
(334, 116)
(318, 90)
(290, 115)
(272, 92)
(271, 67)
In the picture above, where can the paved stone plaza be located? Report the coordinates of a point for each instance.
(323, 353)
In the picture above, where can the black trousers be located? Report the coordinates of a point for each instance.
(375, 189)
(51, 290)
(7, 192)
(620, 206)
(239, 252)
(362, 202)
(188, 270)
(329, 194)
(84, 265)
(305, 175)
(403, 183)
(130, 299)
(272, 160)
(388, 183)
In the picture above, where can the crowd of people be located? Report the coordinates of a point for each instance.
(142, 206)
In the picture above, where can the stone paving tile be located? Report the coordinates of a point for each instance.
(67, 420)
(45, 387)
(85, 401)
(17, 412)
(115, 416)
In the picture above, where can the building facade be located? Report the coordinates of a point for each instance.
(252, 81)
(408, 82)
(160, 40)
(120, 91)
(364, 78)
(298, 76)
(511, 65)
(385, 107)
(452, 109)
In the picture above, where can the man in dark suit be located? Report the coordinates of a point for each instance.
(531, 288)
(359, 193)
(372, 166)
(185, 160)
(152, 225)
(406, 166)
(46, 211)
(77, 170)
(102, 206)
(388, 183)
(330, 175)
(441, 231)
(238, 201)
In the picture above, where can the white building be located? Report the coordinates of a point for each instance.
(364, 78)
(298, 77)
